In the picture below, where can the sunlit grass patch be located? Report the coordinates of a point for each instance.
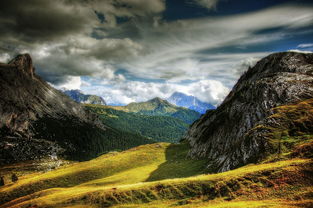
(254, 182)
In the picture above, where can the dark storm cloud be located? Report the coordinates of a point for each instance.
(36, 20)
(74, 38)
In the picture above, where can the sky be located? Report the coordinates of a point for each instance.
(135, 50)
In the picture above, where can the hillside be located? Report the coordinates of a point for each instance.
(245, 127)
(158, 128)
(80, 97)
(38, 121)
(151, 176)
(164, 175)
(190, 102)
(159, 107)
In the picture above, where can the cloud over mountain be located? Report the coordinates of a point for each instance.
(94, 38)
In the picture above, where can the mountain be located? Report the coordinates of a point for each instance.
(275, 97)
(249, 126)
(190, 102)
(158, 128)
(80, 97)
(38, 121)
(159, 107)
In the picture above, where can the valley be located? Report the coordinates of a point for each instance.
(254, 150)
(156, 119)
(156, 104)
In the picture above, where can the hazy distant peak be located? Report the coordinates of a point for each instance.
(189, 101)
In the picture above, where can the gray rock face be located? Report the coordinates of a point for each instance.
(26, 97)
(221, 135)
(32, 115)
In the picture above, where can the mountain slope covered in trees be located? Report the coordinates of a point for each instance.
(158, 128)
(164, 175)
(159, 107)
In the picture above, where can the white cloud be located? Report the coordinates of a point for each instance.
(305, 45)
(71, 83)
(245, 64)
(211, 91)
(172, 51)
(5, 58)
(210, 4)
(176, 53)
(148, 47)
(300, 51)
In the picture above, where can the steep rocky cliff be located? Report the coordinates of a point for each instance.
(37, 120)
(240, 130)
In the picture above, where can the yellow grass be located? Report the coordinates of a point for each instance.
(133, 178)
(221, 204)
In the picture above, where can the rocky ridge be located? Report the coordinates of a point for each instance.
(227, 136)
(38, 121)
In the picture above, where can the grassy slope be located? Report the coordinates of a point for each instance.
(289, 126)
(159, 128)
(159, 175)
(134, 177)
(143, 163)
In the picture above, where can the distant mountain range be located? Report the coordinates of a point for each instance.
(266, 121)
(160, 107)
(177, 98)
(80, 97)
(156, 119)
(189, 101)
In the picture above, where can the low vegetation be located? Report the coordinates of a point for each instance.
(91, 141)
(160, 175)
(158, 128)
(159, 107)
(288, 127)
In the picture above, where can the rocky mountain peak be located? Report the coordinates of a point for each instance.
(24, 64)
(222, 135)
(189, 101)
(36, 119)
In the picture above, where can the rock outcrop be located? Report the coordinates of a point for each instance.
(37, 120)
(226, 135)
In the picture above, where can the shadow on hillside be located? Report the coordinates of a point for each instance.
(177, 164)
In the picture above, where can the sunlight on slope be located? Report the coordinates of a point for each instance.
(123, 185)
(132, 166)
(220, 204)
